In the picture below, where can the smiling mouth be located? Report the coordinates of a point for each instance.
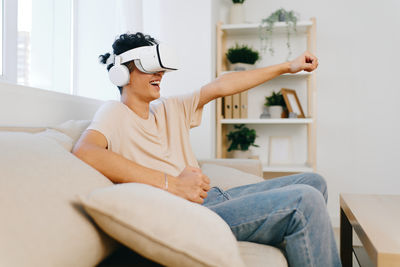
(155, 83)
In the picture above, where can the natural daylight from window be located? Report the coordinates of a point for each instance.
(1, 37)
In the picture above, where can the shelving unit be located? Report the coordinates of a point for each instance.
(226, 33)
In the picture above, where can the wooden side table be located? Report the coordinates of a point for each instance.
(376, 221)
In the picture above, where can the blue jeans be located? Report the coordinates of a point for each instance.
(288, 212)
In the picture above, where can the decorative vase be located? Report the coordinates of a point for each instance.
(265, 114)
(275, 111)
(237, 14)
(240, 66)
(240, 154)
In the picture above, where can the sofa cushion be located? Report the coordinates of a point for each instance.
(72, 128)
(60, 138)
(41, 222)
(258, 255)
(163, 227)
(226, 177)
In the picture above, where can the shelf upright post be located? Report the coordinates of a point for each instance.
(218, 118)
(311, 102)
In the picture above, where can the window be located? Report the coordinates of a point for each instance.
(1, 37)
(44, 44)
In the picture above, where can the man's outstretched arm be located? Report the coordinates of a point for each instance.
(236, 82)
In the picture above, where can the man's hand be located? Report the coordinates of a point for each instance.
(192, 185)
(306, 61)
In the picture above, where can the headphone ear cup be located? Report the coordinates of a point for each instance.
(119, 75)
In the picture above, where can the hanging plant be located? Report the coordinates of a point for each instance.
(267, 25)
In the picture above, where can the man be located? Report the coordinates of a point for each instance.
(145, 139)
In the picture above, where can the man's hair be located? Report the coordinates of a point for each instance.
(127, 42)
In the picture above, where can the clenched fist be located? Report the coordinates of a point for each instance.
(307, 62)
(192, 185)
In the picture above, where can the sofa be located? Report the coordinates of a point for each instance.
(59, 211)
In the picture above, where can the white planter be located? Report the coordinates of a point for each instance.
(240, 66)
(239, 154)
(237, 14)
(275, 111)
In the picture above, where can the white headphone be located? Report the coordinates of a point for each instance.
(119, 74)
(148, 59)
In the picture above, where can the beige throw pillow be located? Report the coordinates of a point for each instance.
(226, 178)
(163, 227)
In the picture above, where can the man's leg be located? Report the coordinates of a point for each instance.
(313, 179)
(295, 214)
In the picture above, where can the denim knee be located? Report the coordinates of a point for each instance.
(319, 182)
(309, 199)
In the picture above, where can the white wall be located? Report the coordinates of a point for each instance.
(188, 26)
(358, 146)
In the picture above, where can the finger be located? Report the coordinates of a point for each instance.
(206, 179)
(309, 67)
(203, 194)
(206, 187)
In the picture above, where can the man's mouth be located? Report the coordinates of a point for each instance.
(156, 83)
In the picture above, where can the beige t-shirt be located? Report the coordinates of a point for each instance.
(160, 142)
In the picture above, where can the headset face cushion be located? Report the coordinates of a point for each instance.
(119, 75)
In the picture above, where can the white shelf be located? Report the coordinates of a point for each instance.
(267, 121)
(287, 168)
(251, 28)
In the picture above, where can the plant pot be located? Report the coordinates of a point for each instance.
(240, 66)
(275, 112)
(236, 14)
(240, 154)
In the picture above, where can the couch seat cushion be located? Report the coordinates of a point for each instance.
(258, 255)
(226, 177)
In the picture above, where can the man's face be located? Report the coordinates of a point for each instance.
(145, 86)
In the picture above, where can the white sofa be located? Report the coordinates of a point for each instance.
(43, 224)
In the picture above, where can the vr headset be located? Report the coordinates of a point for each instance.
(148, 59)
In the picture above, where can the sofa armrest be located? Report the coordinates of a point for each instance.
(252, 166)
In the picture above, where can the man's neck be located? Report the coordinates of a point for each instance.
(137, 105)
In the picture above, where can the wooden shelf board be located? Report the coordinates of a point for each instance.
(287, 168)
(250, 28)
(267, 121)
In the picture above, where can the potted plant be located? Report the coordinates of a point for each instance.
(266, 29)
(237, 12)
(241, 139)
(276, 105)
(241, 57)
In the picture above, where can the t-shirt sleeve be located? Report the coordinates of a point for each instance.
(104, 121)
(187, 104)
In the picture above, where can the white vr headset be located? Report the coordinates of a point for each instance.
(148, 59)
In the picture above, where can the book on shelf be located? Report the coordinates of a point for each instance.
(228, 107)
(243, 105)
(236, 106)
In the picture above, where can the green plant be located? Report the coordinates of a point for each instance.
(267, 25)
(238, 1)
(242, 54)
(241, 138)
(276, 99)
